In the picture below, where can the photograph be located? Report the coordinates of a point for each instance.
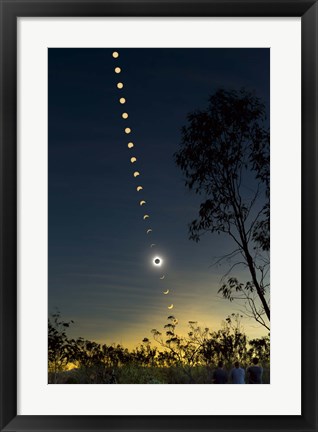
(158, 216)
(158, 200)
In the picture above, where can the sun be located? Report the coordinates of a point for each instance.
(157, 261)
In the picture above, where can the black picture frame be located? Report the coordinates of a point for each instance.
(10, 11)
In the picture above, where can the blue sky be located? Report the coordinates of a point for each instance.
(100, 261)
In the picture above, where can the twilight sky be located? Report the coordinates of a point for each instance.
(100, 261)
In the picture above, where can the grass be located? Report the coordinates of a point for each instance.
(133, 374)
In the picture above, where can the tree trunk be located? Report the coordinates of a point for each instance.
(251, 267)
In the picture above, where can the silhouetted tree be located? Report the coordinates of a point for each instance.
(144, 354)
(184, 352)
(260, 348)
(185, 359)
(230, 342)
(224, 155)
(60, 349)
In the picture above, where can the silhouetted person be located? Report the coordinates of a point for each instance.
(255, 372)
(237, 374)
(219, 375)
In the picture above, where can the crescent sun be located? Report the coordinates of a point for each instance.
(142, 202)
(145, 217)
(139, 188)
(152, 245)
(149, 230)
(170, 307)
(166, 292)
(136, 173)
(162, 277)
